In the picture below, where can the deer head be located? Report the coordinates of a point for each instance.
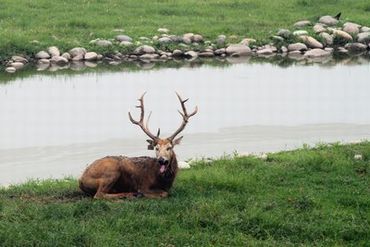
(163, 146)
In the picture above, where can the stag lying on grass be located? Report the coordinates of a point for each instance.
(128, 177)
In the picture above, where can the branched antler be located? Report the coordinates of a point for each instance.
(185, 117)
(141, 123)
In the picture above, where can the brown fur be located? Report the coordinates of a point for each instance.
(124, 177)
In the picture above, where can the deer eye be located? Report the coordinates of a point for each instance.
(169, 148)
(157, 149)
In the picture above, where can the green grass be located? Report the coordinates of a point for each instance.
(318, 196)
(72, 23)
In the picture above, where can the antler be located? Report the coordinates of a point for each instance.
(143, 126)
(185, 116)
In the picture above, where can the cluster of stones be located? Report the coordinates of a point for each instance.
(352, 37)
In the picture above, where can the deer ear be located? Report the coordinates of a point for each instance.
(151, 144)
(177, 141)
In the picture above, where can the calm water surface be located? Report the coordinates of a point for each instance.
(52, 126)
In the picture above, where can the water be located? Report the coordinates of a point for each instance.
(54, 125)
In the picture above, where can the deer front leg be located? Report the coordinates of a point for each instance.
(102, 195)
(154, 194)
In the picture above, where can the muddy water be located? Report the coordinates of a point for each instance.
(53, 125)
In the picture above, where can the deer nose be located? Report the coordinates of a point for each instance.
(162, 161)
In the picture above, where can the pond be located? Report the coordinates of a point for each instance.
(54, 124)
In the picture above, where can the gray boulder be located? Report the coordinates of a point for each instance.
(165, 40)
(19, 59)
(191, 54)
(351, 28)
(285, 33)
(125, 43)
(10, 69)
(148, 56)
(303, 23)
(221, 39)
(297, 47)
(328, 20)
(356, 47)
(197, 38)
(206, 54)
(163, 30)
(239, 49)
(363, 37)
(220, 51)
(300, 33)
(311, 42)
(327, 39)
(53, 51)
(77, 51)
(342, 35)
(319, 28)
(91, 56)
(17, 65)
(144, 49)
(42, 55)
(59, 60)
(314, 53)
(123, 37)
(364, 29)
(66, 55)
(103, 43)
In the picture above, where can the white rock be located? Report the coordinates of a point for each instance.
(177, 53)
(163, 30)
(206, 54)
(300, 33)
(144, 49)
(188, 36)
(319, 28)
(191, 54)
(91, 56)
(343, 35)
(247, 41)
(363, 37)
(316, 53)
(44, 61)
(77, 51)
(17, 65)
(103, 43)
(220, 51)
(66, 55)
(53, 51)
(302, 23)
(197, 38)
(42, 55)
(326, 38)
(238, 49)
(285, 33)
(19, 59)
(356, 47)
(311, 42)
(297, 47)
(328, 20)
(183, 165)
(221, 39)
(59, 60)
(123, 37)
(10, 69)
(351, 28)
(265, 51)
(358, 157)
(164, 40)
(125, 43)
(364, 29)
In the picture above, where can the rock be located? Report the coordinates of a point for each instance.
(148, 56)
(164, 56)
(118, 30)
(300, 33)
(10, 69)
(44, 61)
(328, 20)
(311, 42)
(358, 157)
(319, 28)
(91, 56)
(351, 28)
(356, 47)
(19, 59)
(125, 43)
(17, 65)
(247, 41)
(284, 49)
(164, 40)
(295, 53)
(285, 33)
(90, 64)
(163, 30)
(220, 51)
(221, 39)
(177, 53)
(99, 57)
(186, 40)
(144, 49)
(329, 49)
(277, 38)
(365, 29)
(297, 47)
(188, 36)
(184, 165)
(53, 51)
(191, 54)
(197, 38)
(265, 51)
(66, 55)
(342, 35)
(303, 23)
(103, 43)
(59, 60)
(316, 53)
(144, 38)
(363, 37)
(206, 54)
(77, 51)
(123, 37)
(175, 38)
(42, 55)
(327, 39)
(79, 57)
(342, 50)
(238, 49)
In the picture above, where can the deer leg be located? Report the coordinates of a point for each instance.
(104, 190)
(155, 194)
(102, 195)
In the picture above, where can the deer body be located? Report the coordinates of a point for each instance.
(127, 177)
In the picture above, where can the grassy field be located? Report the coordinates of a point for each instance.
(317, 196)
(74, 23)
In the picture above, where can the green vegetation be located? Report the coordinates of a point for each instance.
(318, 196)
(69, 23)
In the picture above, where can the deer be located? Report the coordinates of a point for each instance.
(122, 177)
